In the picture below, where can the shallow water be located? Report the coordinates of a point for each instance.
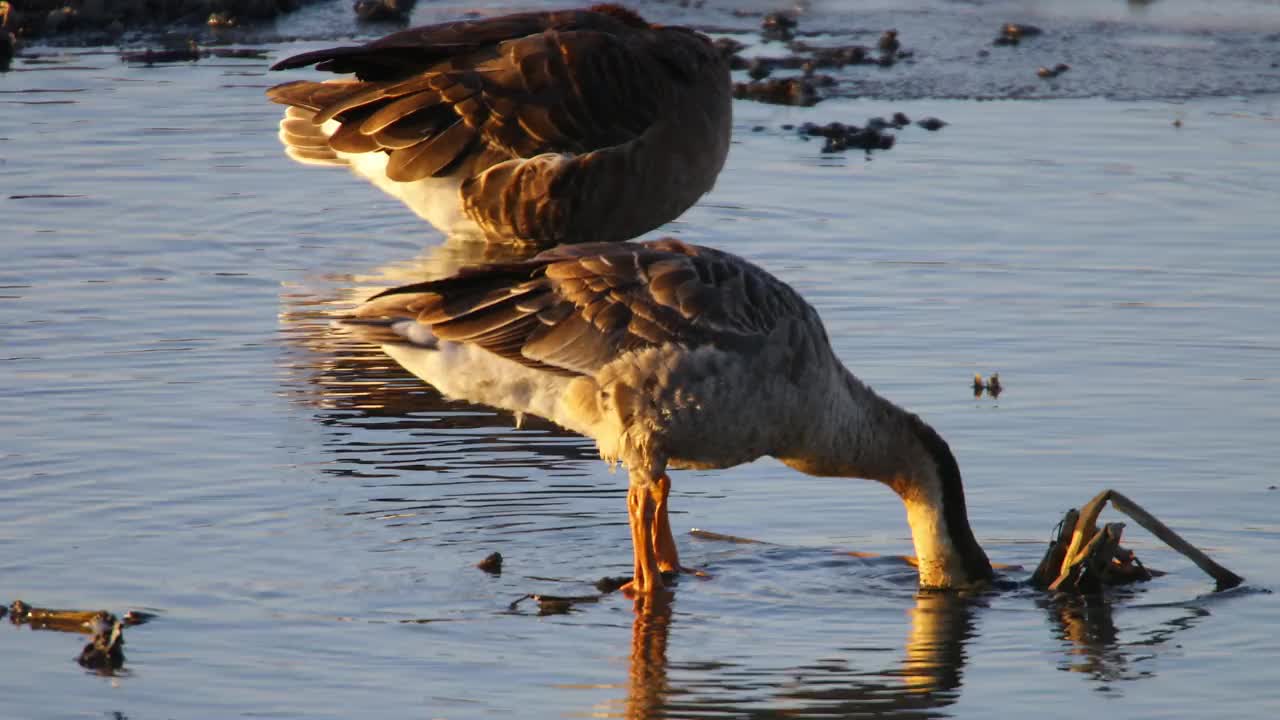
(188, 433)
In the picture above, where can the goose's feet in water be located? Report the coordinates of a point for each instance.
(657, 561)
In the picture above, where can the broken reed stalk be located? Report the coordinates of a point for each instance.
(1059, 568)
(1047, 571)
(1091, 569)
(1224, 577)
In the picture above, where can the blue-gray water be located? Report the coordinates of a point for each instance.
(184, 431)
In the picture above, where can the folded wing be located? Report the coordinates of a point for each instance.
(508, 87)
(574, 309)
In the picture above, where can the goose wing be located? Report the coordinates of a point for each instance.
(574, 309)
(500, 88)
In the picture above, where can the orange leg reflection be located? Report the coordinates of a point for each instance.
(647, 691)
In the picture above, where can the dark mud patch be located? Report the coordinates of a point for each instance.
(97, 22)
(878, 133)
(966, 51)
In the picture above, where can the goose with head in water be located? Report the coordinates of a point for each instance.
(538, 127)
(671, 355)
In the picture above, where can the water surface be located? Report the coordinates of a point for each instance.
(188, 433)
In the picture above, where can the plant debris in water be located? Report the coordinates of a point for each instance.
(1054, 71)
(1085, 559)
(395, 11)
(801, 89)
(491, 564)
(778, 26)
(991, 385)
(105, 651)
(840, 137)
(555, 604)
(1015, 33)
(779, 91)
(48, 18)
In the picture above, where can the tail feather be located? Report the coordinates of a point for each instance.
(391, 331)
(305, 141)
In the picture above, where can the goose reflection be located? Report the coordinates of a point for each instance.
(357, 392)
(331, 368)
(924, 682)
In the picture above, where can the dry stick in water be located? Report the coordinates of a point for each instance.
(1085, 537)
(1047, 571)
(1224, 577)
(1096, 556)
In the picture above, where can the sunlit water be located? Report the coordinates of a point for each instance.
(185, 431)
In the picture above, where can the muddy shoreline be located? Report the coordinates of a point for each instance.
(1159, 51)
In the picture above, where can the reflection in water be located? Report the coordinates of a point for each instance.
(1092, 642)
(648, 688)
(941, 623)
(442, 467)
(332, 369)
(926, 680)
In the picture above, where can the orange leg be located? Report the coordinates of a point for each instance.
(642, 505)
(664, 542)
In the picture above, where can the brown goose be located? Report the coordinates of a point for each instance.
(677, 356)
(539, 127)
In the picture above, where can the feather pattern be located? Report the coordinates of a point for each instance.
(577, 308)
(544, 116)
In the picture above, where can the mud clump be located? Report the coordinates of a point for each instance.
(1054, 71)
(8, 41)
(1015, 33)
(991, 386)
(395, 11)
(105, 652)
(778, 26)
(728, 47)
(98, 19)
(492, 564)
(808, 59)
(840, 137)
(889, 42)
(782, 91)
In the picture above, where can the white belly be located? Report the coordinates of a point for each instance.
(433, 199)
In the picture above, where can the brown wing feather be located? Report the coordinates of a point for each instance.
(526, 84)
(576, 309)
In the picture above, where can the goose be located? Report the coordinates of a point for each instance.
(669, 356)
(539, 127)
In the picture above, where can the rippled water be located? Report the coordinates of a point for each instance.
(187, 433)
